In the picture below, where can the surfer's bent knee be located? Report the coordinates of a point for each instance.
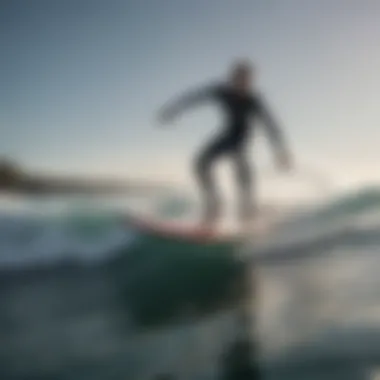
(202, 167)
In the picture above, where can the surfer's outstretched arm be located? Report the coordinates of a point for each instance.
(186, 101)
(275, 135)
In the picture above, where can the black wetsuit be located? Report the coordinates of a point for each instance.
(239, 111)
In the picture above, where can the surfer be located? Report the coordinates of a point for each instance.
(240, 103)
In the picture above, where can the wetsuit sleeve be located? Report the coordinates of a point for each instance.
(189, 100)
(272, 129)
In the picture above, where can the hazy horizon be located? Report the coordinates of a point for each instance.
(82, 82)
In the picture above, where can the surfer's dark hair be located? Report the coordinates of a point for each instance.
(241, 66)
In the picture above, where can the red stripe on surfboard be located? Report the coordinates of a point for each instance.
(177, 231)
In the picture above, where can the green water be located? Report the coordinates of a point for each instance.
(161, 278)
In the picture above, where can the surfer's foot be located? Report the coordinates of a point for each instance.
(247, 217)
(209, 221)
(247, 213)
(210, 214)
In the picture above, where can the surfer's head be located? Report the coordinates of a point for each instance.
(242, 75)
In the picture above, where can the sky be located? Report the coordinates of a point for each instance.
(81, 81)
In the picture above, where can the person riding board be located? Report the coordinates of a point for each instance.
(240, 103)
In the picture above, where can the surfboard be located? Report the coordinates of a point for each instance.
(189, 232)
(193, 232)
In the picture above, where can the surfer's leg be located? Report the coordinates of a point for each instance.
(244, 179)
(204, 173)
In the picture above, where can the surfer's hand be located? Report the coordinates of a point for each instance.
(284, 161)
(165, 116)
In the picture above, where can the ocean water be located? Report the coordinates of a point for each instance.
(85, 295)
